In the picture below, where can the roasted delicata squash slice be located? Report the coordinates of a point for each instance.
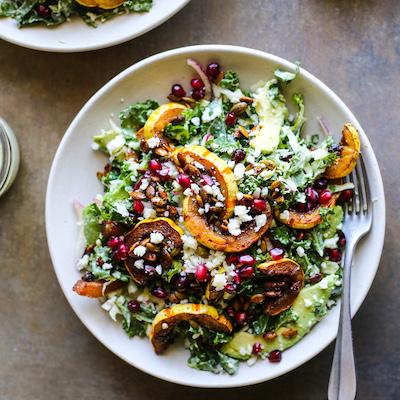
(215, 167)
(165, 321)
(161, 117)
(284, 280)
(207, 236)
(306, 219)
(96, 289)
(349, 153)
(104, 4)
(161, 253)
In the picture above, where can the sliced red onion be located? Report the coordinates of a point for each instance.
(78, 207)
(324, 126)
(207, 84)
(206, 138)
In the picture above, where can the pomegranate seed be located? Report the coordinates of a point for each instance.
(334, 254)
(160, 293)
(311, 195)
(246, 272)
(238, 155)
(300, 207)
(178, 91)
(43, 11)
(114, 242)
(230, 311)
(241, 317)
(182, 282)
(121, 253)
(346, 195)
(325, 196)
(207, 180)
(259, 204)
(197, 84)
(133, 306)
(342, 239)
(88, 277)
(247, 260)
(257, 348)
(155, 165)
(276, 253)
(232, 259)
(213, 70)
(300, 235)
(198, 94)
(201, 273)
(230, 288)
(138, 206)
(230, 119)
(184, 180)
(236, 278)
(100, 261)
(275, 356)
(321, 184)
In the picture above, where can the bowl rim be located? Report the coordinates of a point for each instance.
(204, 48)
(89, 47)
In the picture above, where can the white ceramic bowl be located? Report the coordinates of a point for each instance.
(73, 176)
(76, 36)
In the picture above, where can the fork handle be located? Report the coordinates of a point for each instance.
(342, 381)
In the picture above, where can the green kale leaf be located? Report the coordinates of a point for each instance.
(135, 116)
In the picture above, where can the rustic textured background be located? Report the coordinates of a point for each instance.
(46, 353)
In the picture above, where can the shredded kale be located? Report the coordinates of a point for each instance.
(260, 324)
(230, 81)
(25, 11)
(91, 218)
(135, 116)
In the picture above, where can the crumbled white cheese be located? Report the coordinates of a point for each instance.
(121, 208)
(106, 266)
(156, 237)
(261, 220)
(149, 211)
(164, 325)
(250, 159)
(329, 267)
(284, 215)
(251, 361)
(189, 242)
(144, 184)
(83, 262)
(153, 142)
(257, 152)
(159, 269)
(139, 251)
(307, 303)
(195, 121)
(323, 284)
(239, 195)
(95, 146)
(300, 251)
(116, 144)
(331, 243)
(234, 226)
(239, 171)
(187, 192)
(231, 164)
(195, 188)
(219, 282)
(242, 213)
(212, 111)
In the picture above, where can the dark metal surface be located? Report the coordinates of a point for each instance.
(46, 353)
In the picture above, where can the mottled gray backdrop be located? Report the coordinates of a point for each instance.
(45, 351)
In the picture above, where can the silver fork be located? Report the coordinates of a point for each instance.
(358, 221)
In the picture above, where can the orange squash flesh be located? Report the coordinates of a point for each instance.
(215, 167)
(104, 4)
(167, 319)
(204, 234)
(349, 154)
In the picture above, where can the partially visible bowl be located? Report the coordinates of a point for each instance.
(75, 35)
(73, 174)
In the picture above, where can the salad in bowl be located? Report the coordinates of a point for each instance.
(56, 12)
(220, 223)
